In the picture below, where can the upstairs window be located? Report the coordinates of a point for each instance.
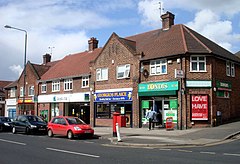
(21, 91)
(158, 67)
(68, 84)
(85, 82)
(123, 71)
(198, 64)
(228, 70)
(102, 74)
(13, 92)
(44, 88)
(31, 91)
(55, 86)
(232, 70)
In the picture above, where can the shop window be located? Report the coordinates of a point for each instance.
(85, 82)
(55, 86)
(31, 91)
(158, 67)
(198, 64)
(123, 71)
(44, 88)
(103, 111)
(102, 74)
(68, 84)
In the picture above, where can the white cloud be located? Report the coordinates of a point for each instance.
(17, 69)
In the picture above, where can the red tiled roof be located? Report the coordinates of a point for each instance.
(4, 83)
(179, 39)
(72, 65)
(12, 84)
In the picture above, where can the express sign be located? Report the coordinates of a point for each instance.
(199, 107)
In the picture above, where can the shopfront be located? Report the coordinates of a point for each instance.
(76, 104)
(106, 102)
(26, 106)
(161, 97)
(10, 108)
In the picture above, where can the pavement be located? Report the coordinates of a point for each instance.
(160, 137)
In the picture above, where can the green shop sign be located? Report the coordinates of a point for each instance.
(221, 84)
(158, 86)
(173, 104)
(145, 104)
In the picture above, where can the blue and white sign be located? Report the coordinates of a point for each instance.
(113, 96)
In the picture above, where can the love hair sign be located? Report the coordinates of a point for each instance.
(199, 107)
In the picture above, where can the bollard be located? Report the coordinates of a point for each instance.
(118, 133)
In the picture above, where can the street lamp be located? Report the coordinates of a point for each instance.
(25, 58)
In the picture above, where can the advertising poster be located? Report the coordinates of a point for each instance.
(199, 107)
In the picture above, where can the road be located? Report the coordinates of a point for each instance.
(37, 149)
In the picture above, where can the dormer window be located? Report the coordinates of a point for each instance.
(123, 71)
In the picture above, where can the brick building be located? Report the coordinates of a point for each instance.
(173, 70)
(11, 100)
(3, 96)
(64, 88)
(27, 102)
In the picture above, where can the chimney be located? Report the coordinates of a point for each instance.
(167, 20)
(46, 58)
(92, 44)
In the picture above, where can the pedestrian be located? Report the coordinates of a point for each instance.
(150, 116)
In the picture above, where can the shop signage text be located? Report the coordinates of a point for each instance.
(113, 96)
(158, 86)
(199, 107)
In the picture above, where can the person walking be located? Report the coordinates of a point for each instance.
(150, 115)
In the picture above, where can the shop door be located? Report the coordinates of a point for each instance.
(85, 114)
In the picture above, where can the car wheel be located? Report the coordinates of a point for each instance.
(27, 131)
(50, 133)
(14, 130)
(70, 134)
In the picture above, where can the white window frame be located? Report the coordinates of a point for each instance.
(156, 67)
(101, 74)
(228, 69)
(13, 92)
(123, 70)
(44, 85)
(55, 86)
(21, 92)
(198, 61)
(85, 82)
(68, 84)
(31, 91)
(232, 70)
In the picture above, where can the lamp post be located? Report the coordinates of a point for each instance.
(25, 58)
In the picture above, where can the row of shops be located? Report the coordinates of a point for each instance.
(166, 98)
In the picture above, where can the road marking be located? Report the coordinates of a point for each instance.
(238, 155)
(88, 142)
(13, 142)
(165, 149)
(205, 152)
(187, 151)
(71, 152)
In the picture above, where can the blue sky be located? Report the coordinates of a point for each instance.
(67, 25)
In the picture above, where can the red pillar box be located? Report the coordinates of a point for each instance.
(169, 123)
(116, 115)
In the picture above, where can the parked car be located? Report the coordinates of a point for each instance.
(5, 124)
(29, 124)
(69, 126)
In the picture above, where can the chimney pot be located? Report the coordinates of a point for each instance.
(92, 44)
(167, 20)
(46, 58)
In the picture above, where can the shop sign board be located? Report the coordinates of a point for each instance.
(199, 84)
(158, 86)
(226, 86)
(113, 96)
(173, 104)
(170, 113)
(199, 107)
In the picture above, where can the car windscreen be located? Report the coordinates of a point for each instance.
(75, 121)
(34, 119)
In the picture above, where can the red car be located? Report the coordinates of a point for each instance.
(69, 126)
